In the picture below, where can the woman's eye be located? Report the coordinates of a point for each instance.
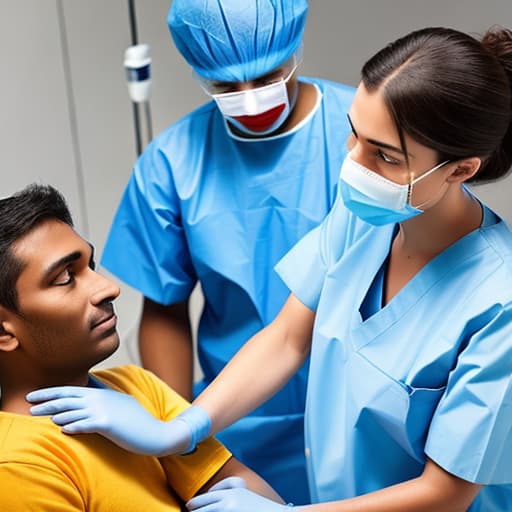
(386, 158)
(64, 278)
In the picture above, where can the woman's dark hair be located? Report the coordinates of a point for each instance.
(450, 92)
(19, 214)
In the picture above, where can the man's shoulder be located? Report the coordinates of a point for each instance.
(134, 380)
(332, 89)
(153, 393)
(125, 377)
(31, 441)
(191, 122)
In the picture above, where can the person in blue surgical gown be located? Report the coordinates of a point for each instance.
(219, 197)
(402, 295)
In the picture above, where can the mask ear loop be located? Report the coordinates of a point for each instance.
(409, 187)
(419, 178)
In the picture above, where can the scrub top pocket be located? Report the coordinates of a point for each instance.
(403, 412)
(422, 405)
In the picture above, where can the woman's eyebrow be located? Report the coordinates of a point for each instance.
(376, 142)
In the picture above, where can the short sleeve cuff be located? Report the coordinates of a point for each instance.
(303, 270)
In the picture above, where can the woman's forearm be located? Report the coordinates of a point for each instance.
(434, 491)
(261, 367)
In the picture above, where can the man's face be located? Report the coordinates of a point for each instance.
(67, 322)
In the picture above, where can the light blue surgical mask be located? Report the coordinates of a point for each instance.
(375, 199)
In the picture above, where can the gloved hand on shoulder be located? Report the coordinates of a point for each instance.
(120, 418)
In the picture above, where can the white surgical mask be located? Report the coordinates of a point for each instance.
(376, 199)
(257, 111)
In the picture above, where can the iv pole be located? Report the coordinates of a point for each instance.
(137, 64)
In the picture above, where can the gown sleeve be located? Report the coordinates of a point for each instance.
(146, 246)
(304, 268)
(470, 434)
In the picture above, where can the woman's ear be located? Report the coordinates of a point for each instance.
(8, 340)
(465, 169)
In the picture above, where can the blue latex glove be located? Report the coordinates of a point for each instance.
(120, 418)
(231, 482)
(230, 495)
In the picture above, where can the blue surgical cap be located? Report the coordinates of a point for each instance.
(236, 40)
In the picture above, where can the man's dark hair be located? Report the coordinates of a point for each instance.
(19, 214)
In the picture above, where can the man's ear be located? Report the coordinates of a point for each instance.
(8, 340)
(465, 169)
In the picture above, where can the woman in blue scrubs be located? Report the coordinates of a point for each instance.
(402, 296)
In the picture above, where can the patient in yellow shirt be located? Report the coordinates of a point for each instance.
(56, 322)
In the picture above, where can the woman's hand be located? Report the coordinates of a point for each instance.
(116, 416)
(231, 495)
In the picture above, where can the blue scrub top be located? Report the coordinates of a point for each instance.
(429, 374)
(202, 205)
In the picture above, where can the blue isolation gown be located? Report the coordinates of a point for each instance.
(428, 374)
(203, 205)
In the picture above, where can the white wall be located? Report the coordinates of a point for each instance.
(66, 118)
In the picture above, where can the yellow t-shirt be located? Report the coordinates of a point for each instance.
(43, 470)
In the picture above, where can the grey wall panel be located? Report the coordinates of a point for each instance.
(35, 130)
(97, 35)
(341, 34)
